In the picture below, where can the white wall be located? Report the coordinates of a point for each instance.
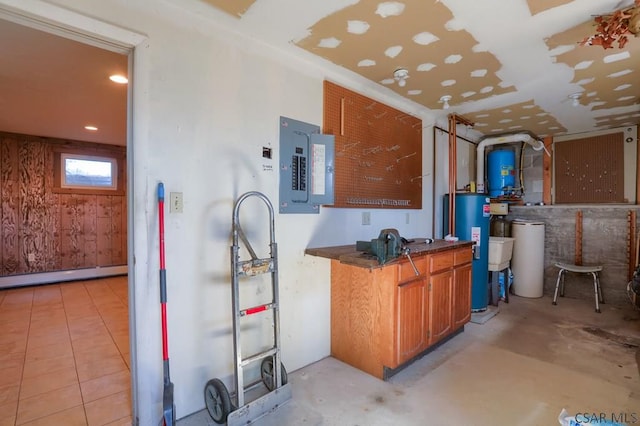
(205, 101)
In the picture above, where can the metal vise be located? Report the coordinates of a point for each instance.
(386, 247)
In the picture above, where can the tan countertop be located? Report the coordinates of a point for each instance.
(349, 255)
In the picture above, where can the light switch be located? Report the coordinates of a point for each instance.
(175, 202)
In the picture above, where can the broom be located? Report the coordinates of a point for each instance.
(168, 407)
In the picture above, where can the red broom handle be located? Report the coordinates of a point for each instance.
(163, 274)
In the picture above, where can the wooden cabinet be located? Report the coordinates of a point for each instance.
(384, 317)
(412, 316)
(461, 295)
(439, 305)
(461, 291)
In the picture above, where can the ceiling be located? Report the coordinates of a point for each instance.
(508, 66)
(53, 86)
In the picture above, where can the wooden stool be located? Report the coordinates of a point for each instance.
(593, 270)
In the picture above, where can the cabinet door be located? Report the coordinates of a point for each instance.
(412, 307)
(461, 295)
(440, 305)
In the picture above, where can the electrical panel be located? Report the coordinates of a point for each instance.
(306, 167)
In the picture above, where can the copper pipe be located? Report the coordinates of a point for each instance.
(547, 162)
(578, 250)
(631, 219)
(638, 168)
(458, 136)
(453, 167)
(461, 120)
(342, 117)
(452, 174)
(433, 186)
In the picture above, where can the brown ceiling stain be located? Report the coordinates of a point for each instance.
(537, 6)
(236, 8)
(603, 92)
(524, 116)
(419, 16)
(618, 120)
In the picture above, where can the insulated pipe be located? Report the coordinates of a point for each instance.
(528, 138)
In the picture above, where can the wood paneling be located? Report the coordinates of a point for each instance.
(9, 188)
(45, 231)
(31, 199)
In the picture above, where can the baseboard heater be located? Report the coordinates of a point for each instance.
(59, 276)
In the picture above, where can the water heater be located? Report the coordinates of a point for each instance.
(472, 224)
(501, 171)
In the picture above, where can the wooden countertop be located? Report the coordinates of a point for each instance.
(349, 255)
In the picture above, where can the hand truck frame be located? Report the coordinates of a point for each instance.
(273, 374)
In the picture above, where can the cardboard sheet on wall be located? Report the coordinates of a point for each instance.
(378, 151)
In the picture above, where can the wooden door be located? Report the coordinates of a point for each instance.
(412, 305)
(440, 305)
(461, 295)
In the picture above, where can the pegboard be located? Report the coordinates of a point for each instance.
(590, 170)
(378, 151)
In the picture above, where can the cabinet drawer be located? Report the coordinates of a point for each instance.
(406, 270)
(462, 256)
(440, 261)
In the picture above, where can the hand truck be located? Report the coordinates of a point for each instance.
(274, 376)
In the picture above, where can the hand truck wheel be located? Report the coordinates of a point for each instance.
(266, 372)
(217, 400)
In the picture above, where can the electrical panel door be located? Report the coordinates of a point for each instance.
(306, 167)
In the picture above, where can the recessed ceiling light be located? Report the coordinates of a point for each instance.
(91, 128)
(120, 79)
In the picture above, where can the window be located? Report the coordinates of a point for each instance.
(77, 170)
(83, 171)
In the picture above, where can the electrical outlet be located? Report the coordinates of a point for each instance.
(31, 257)
(366, 218)
(175, 202)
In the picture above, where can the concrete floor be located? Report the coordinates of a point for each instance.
(522, 367)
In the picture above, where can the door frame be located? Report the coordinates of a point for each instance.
(66, 23)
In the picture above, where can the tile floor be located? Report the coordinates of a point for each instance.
(64, 357)
(64, 354)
